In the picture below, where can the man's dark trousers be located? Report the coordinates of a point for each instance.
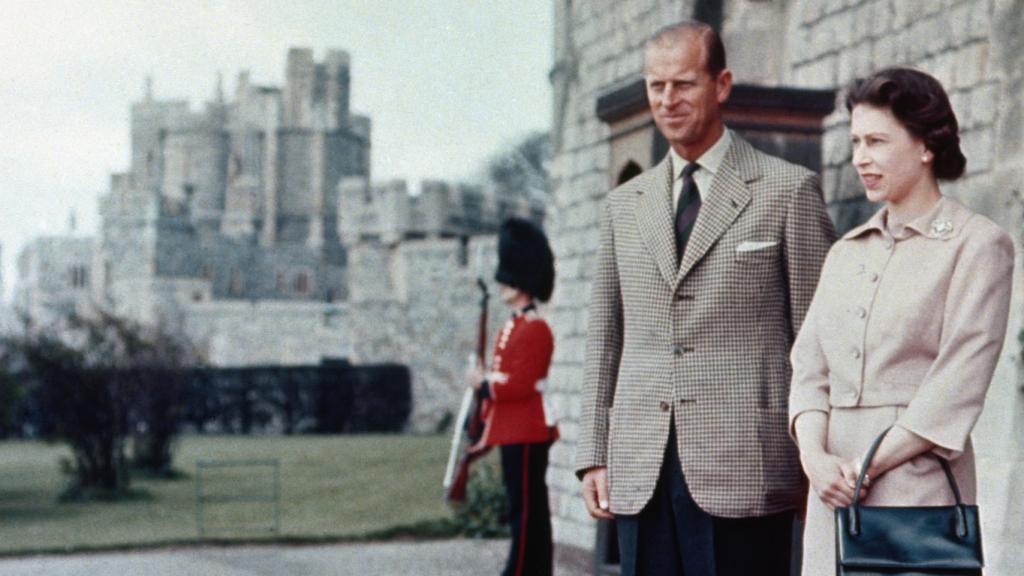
(524, 467)
(672, 536)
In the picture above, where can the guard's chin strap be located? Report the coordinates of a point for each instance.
(525, 309)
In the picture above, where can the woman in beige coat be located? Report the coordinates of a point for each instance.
(908, 320)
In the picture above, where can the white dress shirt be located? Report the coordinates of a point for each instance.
(709, 162)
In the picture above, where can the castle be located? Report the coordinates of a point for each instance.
(253, 228)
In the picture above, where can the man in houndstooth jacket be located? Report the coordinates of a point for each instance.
(706, 267)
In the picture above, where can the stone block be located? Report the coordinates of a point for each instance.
(941, 66)
(984, 105)
(863, 60)
(979, 147)
(824, 38)
(571, 194)
(916, 42)
(905, 12)
(841, 30)
(819, 74)
(884, 51)
(981, 21)
(573, 349)
(584, 215)
(936, 34)
(860, 22)
(810, 11)
(569, 432)
(881, 18)
(957, 23)
(960, 100)
(836, 145)
(968, 61)
(571, 290)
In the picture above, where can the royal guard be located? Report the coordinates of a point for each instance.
(514, 411)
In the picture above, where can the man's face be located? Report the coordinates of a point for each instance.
(685, 100)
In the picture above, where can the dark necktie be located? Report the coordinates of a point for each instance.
(687, 208)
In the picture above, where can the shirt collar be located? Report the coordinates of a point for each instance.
(711, 160)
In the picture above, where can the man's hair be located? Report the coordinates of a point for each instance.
(714, 50)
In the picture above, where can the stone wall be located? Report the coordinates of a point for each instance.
(417, 304)
(973, 46)
(244, 333)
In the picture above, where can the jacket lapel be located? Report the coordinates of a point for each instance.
(654, 217)
(728, 197)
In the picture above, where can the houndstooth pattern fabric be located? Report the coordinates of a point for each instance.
(707, 341)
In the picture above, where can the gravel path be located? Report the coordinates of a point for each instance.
(443, 558)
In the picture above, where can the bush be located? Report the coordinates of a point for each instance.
(102, 380)
(12, 395)
(483, 513)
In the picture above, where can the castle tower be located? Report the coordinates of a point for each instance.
(336, 91)
(300, 77)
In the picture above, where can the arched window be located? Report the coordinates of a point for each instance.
(629, 171)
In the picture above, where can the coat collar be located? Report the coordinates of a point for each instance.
(942, 221)
(728, 196)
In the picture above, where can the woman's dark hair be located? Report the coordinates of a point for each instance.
(920, 103)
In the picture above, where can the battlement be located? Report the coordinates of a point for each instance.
(388, 212)
(316, 95)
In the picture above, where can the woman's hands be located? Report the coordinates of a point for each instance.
(832, 478)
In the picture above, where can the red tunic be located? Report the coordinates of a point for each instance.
(515, 413)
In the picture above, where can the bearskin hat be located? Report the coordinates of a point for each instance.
(525, 260)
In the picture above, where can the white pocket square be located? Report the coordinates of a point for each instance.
(751, 246)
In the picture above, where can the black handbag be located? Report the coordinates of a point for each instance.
(907, 541)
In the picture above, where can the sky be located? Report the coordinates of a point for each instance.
(446, 83)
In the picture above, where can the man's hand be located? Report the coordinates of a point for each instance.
(474, 374)
(832, 478)
(595, 493)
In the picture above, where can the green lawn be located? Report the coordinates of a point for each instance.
(331, 487)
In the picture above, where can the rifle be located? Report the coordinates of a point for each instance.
(469, 425)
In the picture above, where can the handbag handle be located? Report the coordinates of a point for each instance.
(854, 510)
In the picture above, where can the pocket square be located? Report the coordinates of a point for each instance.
(751, 246)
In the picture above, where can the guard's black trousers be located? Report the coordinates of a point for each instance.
(524, 467)
(672, 536)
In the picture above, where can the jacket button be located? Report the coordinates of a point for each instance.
(856, 353)
(677, 350)
(874, 277)
(861, 313)
(663, 406)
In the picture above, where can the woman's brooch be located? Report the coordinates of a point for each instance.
(942, 226)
